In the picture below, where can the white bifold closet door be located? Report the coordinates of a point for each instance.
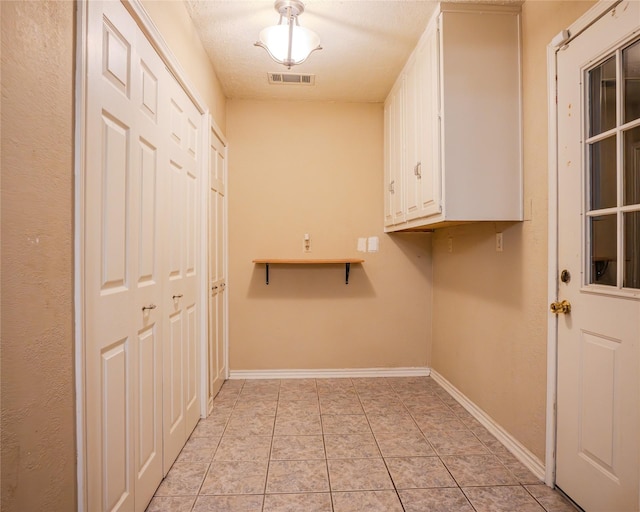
(180, 312)
(140, 247)
(217, 265)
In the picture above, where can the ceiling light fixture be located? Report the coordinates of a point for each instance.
(287, 42)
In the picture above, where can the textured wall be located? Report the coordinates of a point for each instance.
(308, 167)
(37, 355)
(38, 415)
(174, 22)
(489, 308)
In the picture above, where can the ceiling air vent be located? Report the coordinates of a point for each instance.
(291, 79)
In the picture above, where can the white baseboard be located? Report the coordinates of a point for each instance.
(533, 463)
(330, 373)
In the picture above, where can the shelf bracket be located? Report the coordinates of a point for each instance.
(347, 268)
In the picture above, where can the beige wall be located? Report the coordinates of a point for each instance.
(174, 22)
(38, 438)
(489, 308)
(37, 353)
(295, 168)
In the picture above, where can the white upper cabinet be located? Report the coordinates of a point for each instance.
(453, 136)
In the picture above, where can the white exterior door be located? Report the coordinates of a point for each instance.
(217, 264)
(123, 352)
(598, 402)
(181, 212)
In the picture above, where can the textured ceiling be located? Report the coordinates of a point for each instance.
(365, 44)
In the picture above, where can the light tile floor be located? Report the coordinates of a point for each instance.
(346, 445)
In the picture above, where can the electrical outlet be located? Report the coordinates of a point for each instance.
(306, 243)
(499, 242)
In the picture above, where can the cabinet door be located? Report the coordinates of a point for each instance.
(413, 139)
(396, 152)
(428, 172)
(388, 180)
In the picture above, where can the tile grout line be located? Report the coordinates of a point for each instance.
(273, 433)
(435, 451)
(384, 461)
(395, 488)
(324, 446)
(210, 464)
(437, 454)
(193, 506)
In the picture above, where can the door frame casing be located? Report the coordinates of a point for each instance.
(149, 29)
(573, 31)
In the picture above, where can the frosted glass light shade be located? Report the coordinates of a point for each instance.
(275, 40)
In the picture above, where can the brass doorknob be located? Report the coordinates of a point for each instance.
(561, 307)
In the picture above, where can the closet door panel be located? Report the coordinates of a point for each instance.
(108, 262)
(147, 151)
(191, 385)
(115, 170)
(191, 224)
(192, 180)
(117, 486)
(212, 335)
(174, 221)
(146, 438)
(147, 264)
(221, 218)
(150, 151)
(121, 357)
(174, 396)
(141, 256)
(217, 263)
(180, 293)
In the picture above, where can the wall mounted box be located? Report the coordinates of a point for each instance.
(453, 123)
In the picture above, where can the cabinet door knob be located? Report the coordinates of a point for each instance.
(150, 306)
(391, 186)
(177, 296)
(417, 170)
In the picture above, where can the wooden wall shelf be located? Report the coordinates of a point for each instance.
(327, 261)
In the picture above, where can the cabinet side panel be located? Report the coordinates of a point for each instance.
(482, 119)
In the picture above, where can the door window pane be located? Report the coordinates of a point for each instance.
(603, 174)
(631, 73)
(603, 250)
(632, 166)
(631, 250)
(602, 97)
